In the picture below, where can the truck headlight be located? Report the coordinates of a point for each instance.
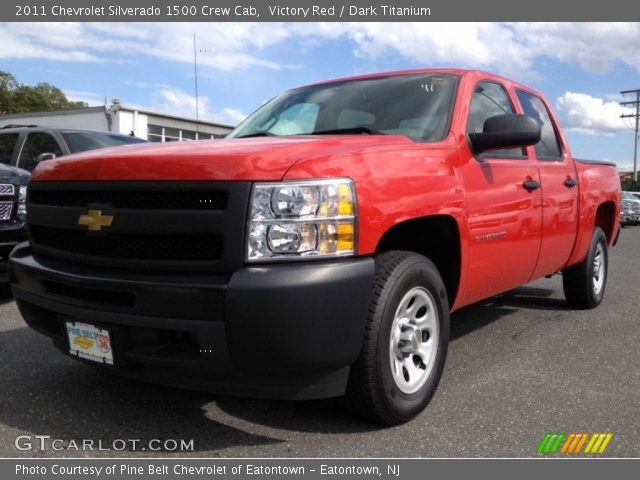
(22, 200)
(302, 219)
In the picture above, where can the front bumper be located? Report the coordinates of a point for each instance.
(628, 218)
(10, 235)
(277, 331)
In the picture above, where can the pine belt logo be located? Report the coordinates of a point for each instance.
(574, 443)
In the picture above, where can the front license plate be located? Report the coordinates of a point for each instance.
(89, 342)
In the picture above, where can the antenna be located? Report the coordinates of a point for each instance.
(635, 103)
(195, 70)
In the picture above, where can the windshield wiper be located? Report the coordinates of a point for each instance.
(258, 134)
(347, 131)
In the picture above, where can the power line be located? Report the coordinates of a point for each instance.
(636, 103)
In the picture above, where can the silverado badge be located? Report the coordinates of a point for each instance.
(94, 220)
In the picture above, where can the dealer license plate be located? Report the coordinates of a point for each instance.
(89, 342)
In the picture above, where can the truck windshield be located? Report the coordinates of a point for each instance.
(83, 141)
(418, 106)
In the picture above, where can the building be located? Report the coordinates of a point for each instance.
(626, 176)
(152, 126)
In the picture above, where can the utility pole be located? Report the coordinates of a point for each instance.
(636, 103)
(195, 71)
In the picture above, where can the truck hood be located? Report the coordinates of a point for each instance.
(264, 158)
(13, 175)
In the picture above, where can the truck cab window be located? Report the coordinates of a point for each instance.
(548, 148)
(36, 144)
(490, 99)
(7, 144)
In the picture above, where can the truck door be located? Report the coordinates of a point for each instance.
(559, 189)
(504, 205)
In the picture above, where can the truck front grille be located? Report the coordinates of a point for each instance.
(6, 189)
(148, 200)
(130, 246)
(154, 225)
(6, 208)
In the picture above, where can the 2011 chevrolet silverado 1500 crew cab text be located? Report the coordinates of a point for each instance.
(318, 250)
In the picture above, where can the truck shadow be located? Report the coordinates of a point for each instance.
(46, 393)
(5, 294)
(481, 314)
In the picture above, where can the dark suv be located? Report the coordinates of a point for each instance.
(13, 195)
(24, 146)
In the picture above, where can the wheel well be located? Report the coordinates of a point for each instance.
(437, 238)
(605, 219)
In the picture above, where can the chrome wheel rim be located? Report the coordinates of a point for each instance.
(413, 342)
(599, 268)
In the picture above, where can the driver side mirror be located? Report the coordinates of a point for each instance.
(508, 130)
(45, 156)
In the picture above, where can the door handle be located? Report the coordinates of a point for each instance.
(531, 185)
(570, 182)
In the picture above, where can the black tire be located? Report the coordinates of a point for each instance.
(372, 391)
(578, 281)
(5, 291)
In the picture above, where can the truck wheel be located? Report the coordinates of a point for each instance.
(585, 282)
(405, 341)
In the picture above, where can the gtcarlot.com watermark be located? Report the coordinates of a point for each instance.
(48, 443)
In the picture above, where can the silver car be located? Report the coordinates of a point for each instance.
(630, 208)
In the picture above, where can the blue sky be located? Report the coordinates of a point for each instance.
(580, 67)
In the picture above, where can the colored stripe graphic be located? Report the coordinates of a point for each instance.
(598, 442)
(543, 443)
(581, 443)
(570, 439)
(550, 443)
(573, 443)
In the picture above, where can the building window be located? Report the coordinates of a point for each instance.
(156, 133)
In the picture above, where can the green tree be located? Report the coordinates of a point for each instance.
(19, 98)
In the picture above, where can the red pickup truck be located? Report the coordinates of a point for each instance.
(318, 250)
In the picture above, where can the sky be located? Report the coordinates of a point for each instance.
(579, 67)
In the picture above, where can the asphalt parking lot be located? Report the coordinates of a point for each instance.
(519, 365)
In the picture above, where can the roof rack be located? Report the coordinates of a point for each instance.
(15, 125)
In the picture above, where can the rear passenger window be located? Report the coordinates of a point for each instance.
(36, 144)
(548, 148)
(490, 99)
(7, 144)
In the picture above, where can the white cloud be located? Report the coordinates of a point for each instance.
(174, 101)
(596, 47)
(223, 46)
(145, 85)
(230, 116)
(472, 45)
(583, 113)
(169, 100)
(91, 98)
(37, 43)
(625, 167)
(178, 102)
(510, 49)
